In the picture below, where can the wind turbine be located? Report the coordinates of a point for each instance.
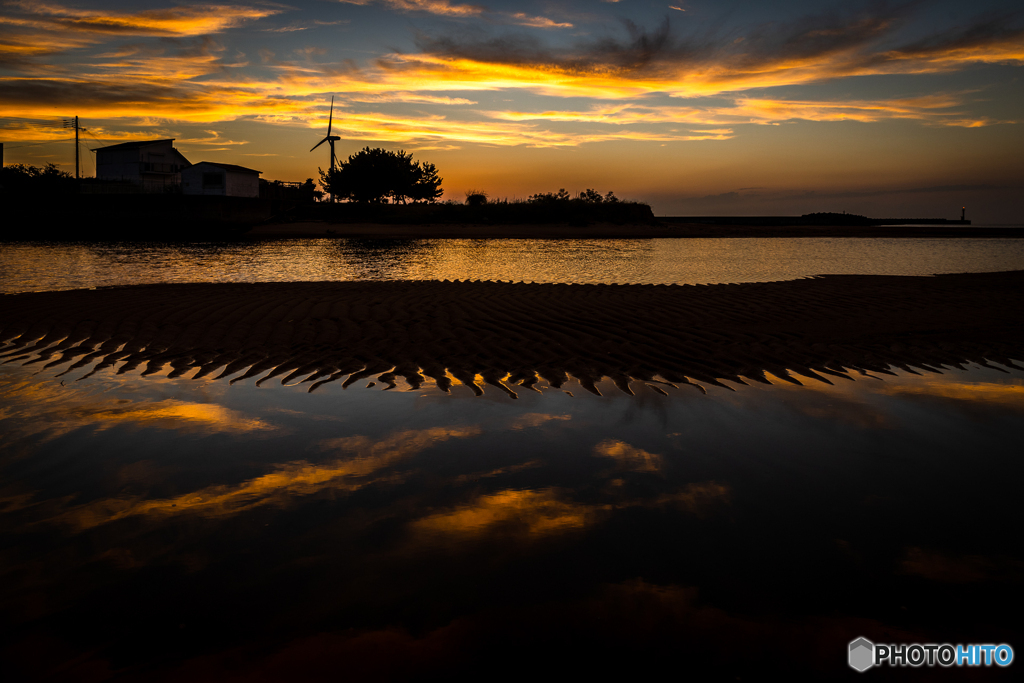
(329, 138)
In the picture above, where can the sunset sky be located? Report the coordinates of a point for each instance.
(697, 107)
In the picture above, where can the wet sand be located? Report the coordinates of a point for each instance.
(513, 335)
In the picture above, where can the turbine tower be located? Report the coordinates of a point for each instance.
(329, 138)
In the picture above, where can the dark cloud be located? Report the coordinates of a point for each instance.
(649, 47)
(854, 39)
(643, 47)
(200, 47)
(824, 34)
(59, 93)
(1001, 29)
(508, 49)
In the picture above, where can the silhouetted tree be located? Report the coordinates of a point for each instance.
(309, 191)
(377, 176)
(594, 197)
(427, 187)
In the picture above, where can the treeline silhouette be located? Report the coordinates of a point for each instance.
(381, 186)
(584, 208)
(19, 182)
(277, 190)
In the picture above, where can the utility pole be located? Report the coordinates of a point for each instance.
(73, 123)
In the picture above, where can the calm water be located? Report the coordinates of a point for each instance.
(178, 529)
(200, 530)
(26, 267)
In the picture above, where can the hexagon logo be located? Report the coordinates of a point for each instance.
(862, 654)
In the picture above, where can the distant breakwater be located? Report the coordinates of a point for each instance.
(811, 219)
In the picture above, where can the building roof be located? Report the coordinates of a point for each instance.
(134, 145)
(229, 167)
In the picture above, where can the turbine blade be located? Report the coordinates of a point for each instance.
(318, 144)
(330, 119)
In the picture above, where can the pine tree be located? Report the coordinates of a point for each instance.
(377, 176)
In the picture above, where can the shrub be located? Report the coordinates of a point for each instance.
(476, 197)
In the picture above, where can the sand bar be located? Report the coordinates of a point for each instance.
(513, 335)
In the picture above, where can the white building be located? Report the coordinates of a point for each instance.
(154, 165)
(226, 180)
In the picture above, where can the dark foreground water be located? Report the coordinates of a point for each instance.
(155, 529)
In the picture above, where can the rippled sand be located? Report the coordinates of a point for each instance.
(512, 335)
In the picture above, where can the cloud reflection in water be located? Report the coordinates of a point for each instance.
(411, 531)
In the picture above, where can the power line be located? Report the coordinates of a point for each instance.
(87, 132)
(14, 124)
(36, 144)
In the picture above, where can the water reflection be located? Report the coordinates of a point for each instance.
(279, 487)
(31, 267)
(418, 533)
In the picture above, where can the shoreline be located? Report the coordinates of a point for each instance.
(324, 229)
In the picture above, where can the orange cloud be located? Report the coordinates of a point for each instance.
(365, 458)
(42, 417)
(535, 512)
(173, 22)
(813, 50)
(934, 109)
(537, 22)
(606, 80)
(533, 420)
(445, 8)
(441, 7)
(397, 128)
(36, 43)
(151, 98)
(199, 82)
(407, 98)
(545, 512)
(939, 109)
(174, 414)
(1007, 396)
(629, 457)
